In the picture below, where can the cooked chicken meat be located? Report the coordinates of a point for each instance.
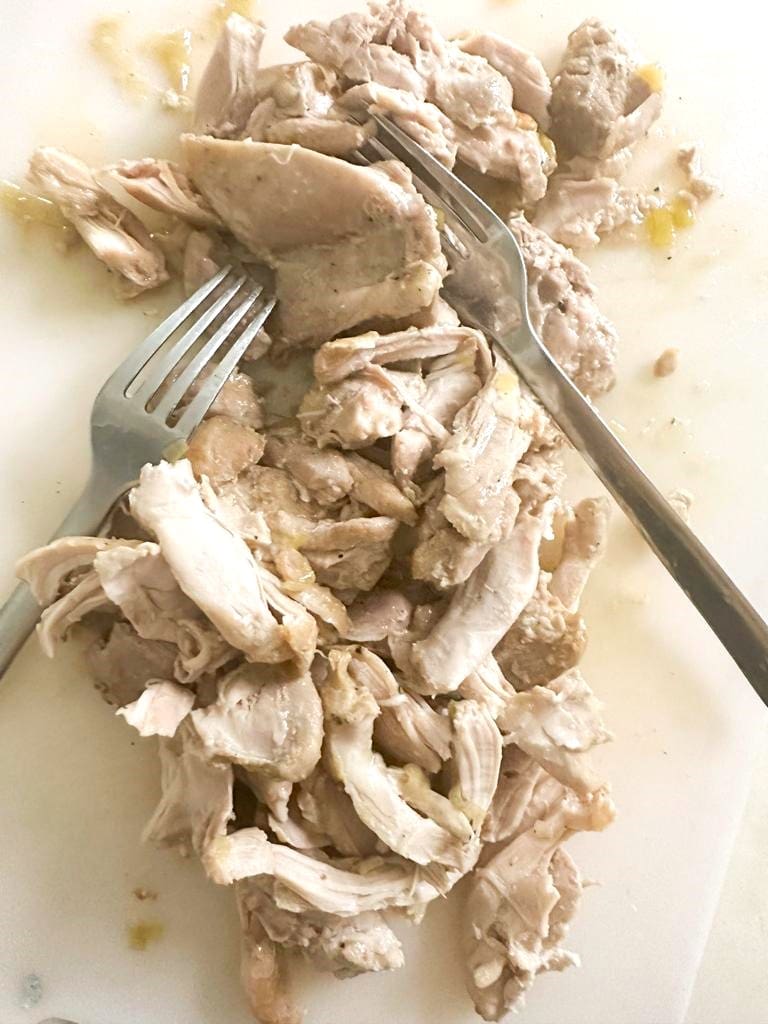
(601, 103)
(307, 883)
(352, 414)
(53, 570)
(238, 400)
(339, 359)
(557, 725)
(162, 186)
(488, 687)
(480, 459)
(525, 794)
(295, 105)
(423, 121)
(58, 619)
(377, 255)
(262, 969)
(516, 916)
(115, 235)
(545, 640)
(351, 612)
(397, 50)
(227, 94)
(531, 88)
(357, 46)
(222, 448)
(266, 719)
(444, 557)
(407, 730)
(476, 748)
(586, 534)
(577, 211)
(216, 569)
(347, 946)
(124, 664)
(561, 301)
(480, 611)
(160, 709)
(350, 712)
(196, 801)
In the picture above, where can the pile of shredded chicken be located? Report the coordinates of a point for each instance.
(357, 631)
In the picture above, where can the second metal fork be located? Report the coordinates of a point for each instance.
(488, 287)
(138, 416)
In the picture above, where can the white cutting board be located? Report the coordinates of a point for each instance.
(76, 786)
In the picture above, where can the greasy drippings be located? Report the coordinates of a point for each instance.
(683, 213)
(107, 42)
(660, 227)
(173, 52)
(170, 51)
(31, 209)
(548, 146)
(507, 383)
(223, 9)
(176, 450)
(653, 76)
(143, 933)
(663, 223)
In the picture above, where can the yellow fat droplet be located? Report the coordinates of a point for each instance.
(548, 146)
(683, 213)
(141, 934)
(660, 227)
(176, 450)
(653, 76)
(506, 383)
(106, 41)
(31, 209)
(172, 51)
(525, 122)
(223, 9)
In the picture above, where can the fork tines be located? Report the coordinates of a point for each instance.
(463, 210)
(160, 380)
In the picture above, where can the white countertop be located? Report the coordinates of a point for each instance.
(76, 788)
(732, 982)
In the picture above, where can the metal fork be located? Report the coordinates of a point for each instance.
(138, 419)
(488, 287)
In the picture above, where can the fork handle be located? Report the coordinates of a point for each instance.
(20, 613)
(740, 629)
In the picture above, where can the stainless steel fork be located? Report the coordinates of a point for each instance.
(488, 287)
(138, 419)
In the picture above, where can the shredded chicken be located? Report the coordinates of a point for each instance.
(480, 611)
(262, 970)
(336, 266)
(347, 946)
(162, 186)
(351, 612)
(196, 801)
(601, 103)
(111, 232)
(227, 95)
(480, 459)
(232, 587)
(160, 709)
(268, 719)
(562, 307)
(517, 915)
